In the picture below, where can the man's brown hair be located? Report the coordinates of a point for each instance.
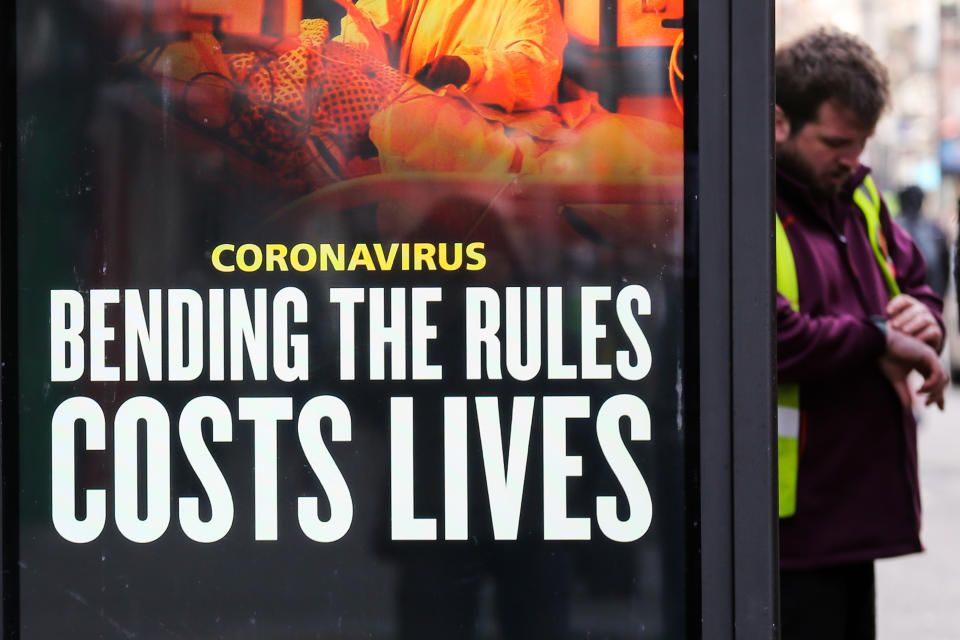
(830, 65)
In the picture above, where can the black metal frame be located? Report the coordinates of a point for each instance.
(9, 467)
(739, 554)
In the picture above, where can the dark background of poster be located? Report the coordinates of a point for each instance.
(112, 197)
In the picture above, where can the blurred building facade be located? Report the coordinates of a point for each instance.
(950, 101)
(919, 40)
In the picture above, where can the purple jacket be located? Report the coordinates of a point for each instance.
(857, 491)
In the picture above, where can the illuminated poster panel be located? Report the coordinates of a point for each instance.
(351, 321)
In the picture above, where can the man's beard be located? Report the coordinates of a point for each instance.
(794, 164)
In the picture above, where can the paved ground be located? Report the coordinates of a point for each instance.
(918, 596)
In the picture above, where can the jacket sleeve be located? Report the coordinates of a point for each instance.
(521, 68)
(911, 269)
(956, 266)
(375, 27)
(810, 348)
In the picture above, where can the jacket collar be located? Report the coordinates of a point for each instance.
(792, 189)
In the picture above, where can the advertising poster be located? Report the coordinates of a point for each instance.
(345, 321)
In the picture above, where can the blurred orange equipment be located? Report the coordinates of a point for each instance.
(640, 23)
(250, 20)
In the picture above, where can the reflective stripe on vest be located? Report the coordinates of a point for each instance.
(868, 200)
(788, 395)
(789, 415)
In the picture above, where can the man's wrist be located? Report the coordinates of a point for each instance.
(880, 322)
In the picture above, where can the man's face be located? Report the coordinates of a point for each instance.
(823, 152)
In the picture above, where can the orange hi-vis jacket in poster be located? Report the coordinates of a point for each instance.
(513, 48)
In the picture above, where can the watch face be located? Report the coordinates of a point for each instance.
(371, 328)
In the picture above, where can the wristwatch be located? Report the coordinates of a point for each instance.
(880, 323)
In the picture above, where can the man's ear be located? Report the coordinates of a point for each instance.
(781, 125)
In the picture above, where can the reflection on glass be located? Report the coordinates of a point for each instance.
(470, 211)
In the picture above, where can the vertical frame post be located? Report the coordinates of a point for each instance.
(755, 550)
(737, 424)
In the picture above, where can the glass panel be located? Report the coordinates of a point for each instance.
(371, 326)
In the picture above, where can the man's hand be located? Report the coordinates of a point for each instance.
(912, 317)
(906, 353)
(443, 70)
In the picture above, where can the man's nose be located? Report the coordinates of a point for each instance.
(850, 157)
(849, 160)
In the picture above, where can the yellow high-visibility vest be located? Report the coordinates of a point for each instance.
(789, 413)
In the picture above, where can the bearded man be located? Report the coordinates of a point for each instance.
(854, 318)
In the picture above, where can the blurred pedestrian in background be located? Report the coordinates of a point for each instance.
(854, 318)
(928, 236)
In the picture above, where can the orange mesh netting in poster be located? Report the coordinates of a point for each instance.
(303, 110)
